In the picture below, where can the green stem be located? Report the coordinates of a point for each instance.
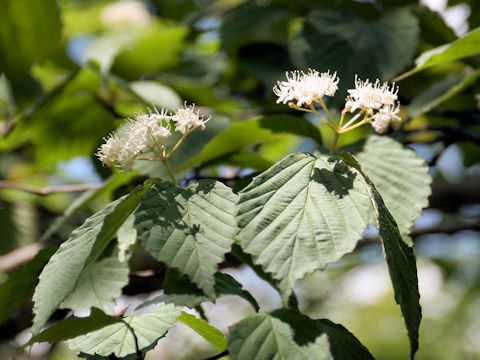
(170, 172)
(322, 103)
(364, 121)
(178, 143)
(334, 144)
(332, 126)
(201, 312)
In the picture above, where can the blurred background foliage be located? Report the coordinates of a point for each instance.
(71, 70)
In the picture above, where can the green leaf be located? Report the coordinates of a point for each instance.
(467, 45)
(400, 260)
(118, 339)
(345, 43)
(29, 32)
(211, 334)
(19, 287)
(441, 91)
(156, 94)
(99, 285)
(400, 175)
(242, 158)
(81, 202)
(287, 334)
(343, 344)
(157, 47)
(73, 326)
(179, 290)
(188, 228)
(253, 131)
(265, 336)
(249, 21)
(60, 276)
(300, 215)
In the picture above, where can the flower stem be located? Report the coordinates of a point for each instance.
(346, 129)
(178, 144)
(170, 172)
(334, 143)
(324, 107)
(332, 126)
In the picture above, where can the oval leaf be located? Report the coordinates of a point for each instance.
(301, 214)
(190, 228)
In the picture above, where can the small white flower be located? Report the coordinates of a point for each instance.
(382, 118)
(306, 88)
(137, 136)
(367, 96)
(186, 119)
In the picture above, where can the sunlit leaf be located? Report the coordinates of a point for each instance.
(300, 215)
(207, 331)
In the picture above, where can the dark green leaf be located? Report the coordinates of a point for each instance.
(345, 43)
(30, 32)
(19, 287)
(400, 260)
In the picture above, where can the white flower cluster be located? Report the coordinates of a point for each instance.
(306, 88)
(369, 97)
(145, 133)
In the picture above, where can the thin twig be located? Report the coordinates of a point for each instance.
(51, 189)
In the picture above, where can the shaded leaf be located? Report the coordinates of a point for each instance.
(400, 260)
(207, 331)
(441, 91)
(60, 276)
(188, 228)
(118, 339)
(300, 215)
(345, 43)
(29, 32)
(179, 290)
(20, 285)
(467, 45)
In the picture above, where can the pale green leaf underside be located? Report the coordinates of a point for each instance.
(118, 339)
(60, 276)
(400, 176)
(301, 214)
(99, 285)
(263, 336)
(126, 237)
(188, 228)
